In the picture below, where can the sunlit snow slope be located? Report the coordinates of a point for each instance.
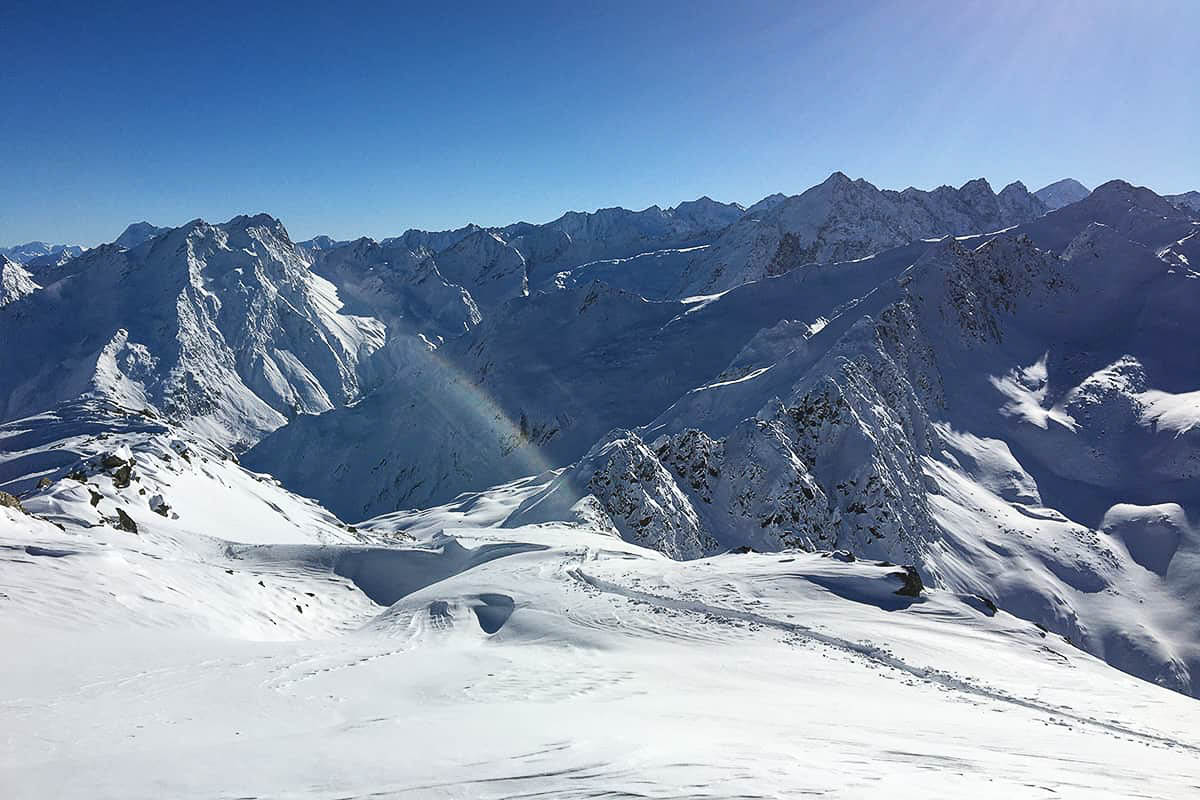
(544, 660)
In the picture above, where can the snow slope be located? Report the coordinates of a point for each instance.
(15, 281)
(500, 663)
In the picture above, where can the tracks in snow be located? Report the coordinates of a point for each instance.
(873, 654)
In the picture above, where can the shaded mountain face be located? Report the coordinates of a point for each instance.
(577, 238)
(137, 233)
(1134, 212)
(1061, 193)
(1188, 202)
(401, 287)
(539, 381)
(842, 219)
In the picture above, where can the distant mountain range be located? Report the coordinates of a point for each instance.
(24, 253)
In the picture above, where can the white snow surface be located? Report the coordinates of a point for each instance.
(922, 517)
(547, 659)
(15, 281)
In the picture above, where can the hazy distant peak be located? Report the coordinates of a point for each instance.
(1062, 193)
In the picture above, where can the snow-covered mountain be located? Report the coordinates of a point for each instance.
(401, 287)
(578, 238)
(969, 427)
(1188, 201)
(24, 253)
(1061, 193)
(536, 384)
(831, 407)
(322, 242)
(15, 281)
(222, 328)
(920, 448)
(137, 233)
(841, 219)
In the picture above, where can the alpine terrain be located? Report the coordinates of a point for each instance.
(853, 492)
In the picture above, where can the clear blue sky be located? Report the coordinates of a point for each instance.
(352, 121)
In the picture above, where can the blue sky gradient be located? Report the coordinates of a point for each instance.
(351, 120)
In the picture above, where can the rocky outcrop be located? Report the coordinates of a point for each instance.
(125, 522)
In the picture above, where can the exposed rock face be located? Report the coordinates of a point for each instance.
(125, 522)
(912, 586)
(642, 498)
(159, 506)
(10, 501)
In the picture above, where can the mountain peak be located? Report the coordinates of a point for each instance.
(976, 186)
(260, 220)
(1120, 192)
(1062, 193)
(837, 178)
(138, 232)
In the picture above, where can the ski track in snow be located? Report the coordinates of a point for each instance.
(871, 653)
